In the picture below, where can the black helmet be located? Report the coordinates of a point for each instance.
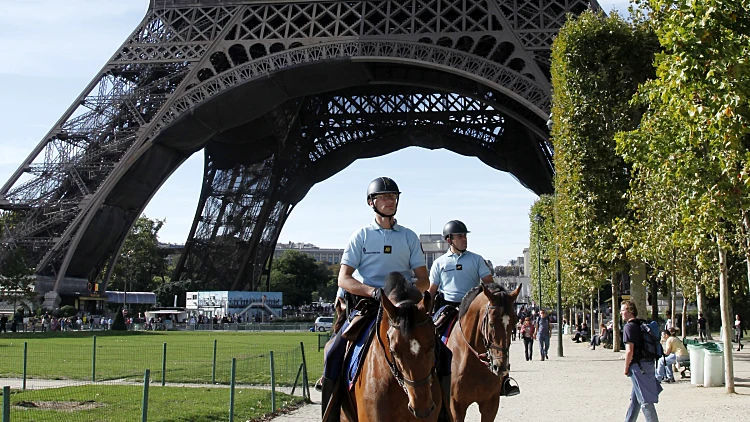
(382, 185)
(454, 227)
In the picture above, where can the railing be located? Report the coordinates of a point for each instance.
(119, 378)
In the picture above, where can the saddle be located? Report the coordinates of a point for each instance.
(358, 335)
(444, 320)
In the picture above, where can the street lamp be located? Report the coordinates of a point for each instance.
(539, 219)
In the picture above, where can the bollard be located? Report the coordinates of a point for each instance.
(6, 403)
(273, 385)
(306, 386)
(25, 353)
(144, 404)
(93, 362)
(164, 365)
(231, 390)
(213, 366)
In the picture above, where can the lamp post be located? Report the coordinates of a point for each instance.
(559, 305)
(539, 219)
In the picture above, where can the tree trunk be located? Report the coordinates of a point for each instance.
(726, 319)
(615, 313)
(591, 315)
(746, 224)
(599, 305)
(638, 293)
(654, 298)
(673, 298)
(684, 316)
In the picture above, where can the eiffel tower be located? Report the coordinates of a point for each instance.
(279, 95)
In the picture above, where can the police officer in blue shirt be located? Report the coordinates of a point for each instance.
(459, 270)
(372, 253)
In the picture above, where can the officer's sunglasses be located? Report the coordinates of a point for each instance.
(388, 197)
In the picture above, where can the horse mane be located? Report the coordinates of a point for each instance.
(499, 291)
(397, 288)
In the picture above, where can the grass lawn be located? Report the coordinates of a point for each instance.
(123, 403)
(125, 355)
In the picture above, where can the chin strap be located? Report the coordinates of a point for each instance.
(374, 208)
(450, 243)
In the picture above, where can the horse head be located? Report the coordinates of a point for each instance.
(496, 326)
(410, 341)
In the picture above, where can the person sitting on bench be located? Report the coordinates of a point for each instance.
(674, 351)
(598, 339)
(582, 334)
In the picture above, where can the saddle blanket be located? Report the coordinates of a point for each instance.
(357, 354)
(447, 329)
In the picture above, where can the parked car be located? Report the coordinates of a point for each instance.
(323, 323)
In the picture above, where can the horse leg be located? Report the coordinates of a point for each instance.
(488, 408)
(458, 411)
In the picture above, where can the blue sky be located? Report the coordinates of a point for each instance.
(51, 50)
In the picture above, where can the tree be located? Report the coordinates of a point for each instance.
(297, 275)
(597, 64)
(16, 278)
(140, 259)
(694, 137)
(165, 292)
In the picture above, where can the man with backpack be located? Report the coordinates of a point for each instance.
(639, 364)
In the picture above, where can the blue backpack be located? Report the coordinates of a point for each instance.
(652, 348)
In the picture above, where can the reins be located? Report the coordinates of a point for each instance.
(398, 374)
(488, 355)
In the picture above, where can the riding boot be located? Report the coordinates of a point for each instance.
(330, 402)
(445, 388)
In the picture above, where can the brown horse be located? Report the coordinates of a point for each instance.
(480, 343)
(398, 380)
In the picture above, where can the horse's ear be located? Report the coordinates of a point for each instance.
(514, 294)
(486, 291)
(426, 303)
(390, 308)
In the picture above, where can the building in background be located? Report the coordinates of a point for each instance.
(258, 306)
(526, 262)
(433, 247)
(326, 255)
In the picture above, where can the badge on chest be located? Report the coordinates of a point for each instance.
(387, 249)
(459, 267)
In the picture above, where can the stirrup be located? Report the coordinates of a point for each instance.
(319, 384)
(509, 389)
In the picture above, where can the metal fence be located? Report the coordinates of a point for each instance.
(108, 380)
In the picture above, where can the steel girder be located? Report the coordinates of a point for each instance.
(175, 84)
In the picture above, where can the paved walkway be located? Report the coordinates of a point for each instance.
(589, 385)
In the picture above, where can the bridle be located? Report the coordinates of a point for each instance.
(395, 371)
(487, 357)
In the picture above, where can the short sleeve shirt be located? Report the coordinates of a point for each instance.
(456, 274)
(374, 252)
(631, 333)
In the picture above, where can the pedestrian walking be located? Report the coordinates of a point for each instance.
(543, 333)
(640, 369)
(528, 334)
(702, 328)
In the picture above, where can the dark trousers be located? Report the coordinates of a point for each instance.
(528, 345)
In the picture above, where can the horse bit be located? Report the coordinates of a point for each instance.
(398, 374)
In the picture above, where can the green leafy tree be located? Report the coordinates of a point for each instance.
(165, 292)
(140, 259)
(694, 137)
(16, 278)
(597, 64)
(297, 275)
(543, 251)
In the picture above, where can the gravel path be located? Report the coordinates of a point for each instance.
(588, 385)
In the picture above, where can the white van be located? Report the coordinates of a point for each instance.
(324, 323)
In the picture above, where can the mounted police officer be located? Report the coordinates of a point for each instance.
(372, 253)
(459, 270)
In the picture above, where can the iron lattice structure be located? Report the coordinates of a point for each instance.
(279, 95)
